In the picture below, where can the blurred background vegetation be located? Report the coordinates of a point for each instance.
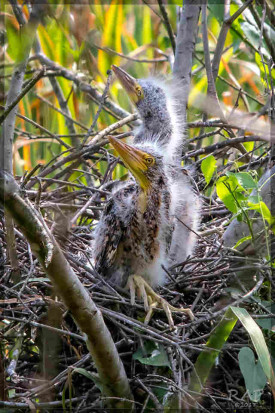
(88, 38)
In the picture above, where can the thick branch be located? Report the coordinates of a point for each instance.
(185, 45)
(78, 301)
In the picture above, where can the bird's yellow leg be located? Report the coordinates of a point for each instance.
(152, 300)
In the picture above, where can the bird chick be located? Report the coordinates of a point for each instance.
(158, 104)
(135, 233)
(163, 126)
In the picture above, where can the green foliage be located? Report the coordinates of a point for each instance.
(206, 360)
(235, 191)
(152, 354)
(253, 374)
(208, 167)
(207, 357)
(230, 193)
(89, 375)
(259, 343)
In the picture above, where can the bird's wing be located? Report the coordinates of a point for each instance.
(113, 226)
(107, 237)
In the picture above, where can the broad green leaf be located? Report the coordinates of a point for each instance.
(48, 46)
(252, 371)
(228, 190)
(12, 36)
(267, 323)
(109, 38)
(259, 343)
(248, 145)
(155, 355)
(207, 357)
(251, 32)
(244, 179)
(263, 209)
(208, 167)
(217, 9)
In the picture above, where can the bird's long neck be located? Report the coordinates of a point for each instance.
(151, 199)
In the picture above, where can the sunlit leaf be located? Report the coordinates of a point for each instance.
(244, 179)
(229, 192)
(208, 167)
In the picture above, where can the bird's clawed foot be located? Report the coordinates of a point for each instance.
(152, 300)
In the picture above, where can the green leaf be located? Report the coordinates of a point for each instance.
(208, 167)
(252, 33)
(244, 179)
(207, 357)
(267, 323)
(12, 36)
(242, 240)
(217, 8)
(252, 371)
(263, 209)
(155, 355)
(90, 376)
(228, 191)
(259, 343)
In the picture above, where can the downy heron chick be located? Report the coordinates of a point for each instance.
(134, 236)
(159, 105)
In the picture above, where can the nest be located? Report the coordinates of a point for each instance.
(45, 356)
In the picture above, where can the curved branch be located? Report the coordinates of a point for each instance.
(88, 317)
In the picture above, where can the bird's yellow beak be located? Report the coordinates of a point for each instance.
(133, 159)
(130, 84)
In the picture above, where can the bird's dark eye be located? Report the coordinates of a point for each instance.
(149, 160)
(148, 114)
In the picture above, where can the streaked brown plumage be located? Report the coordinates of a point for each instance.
(134, 235)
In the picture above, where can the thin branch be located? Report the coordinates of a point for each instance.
(98, 138)
(43, 129)
(167, 25)
(227, 22)
(211, 89)
(128, 57)
(223, 144)
(262, 28)
(101, 104)
(63, 114)
(77, 78)
(31, 83)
